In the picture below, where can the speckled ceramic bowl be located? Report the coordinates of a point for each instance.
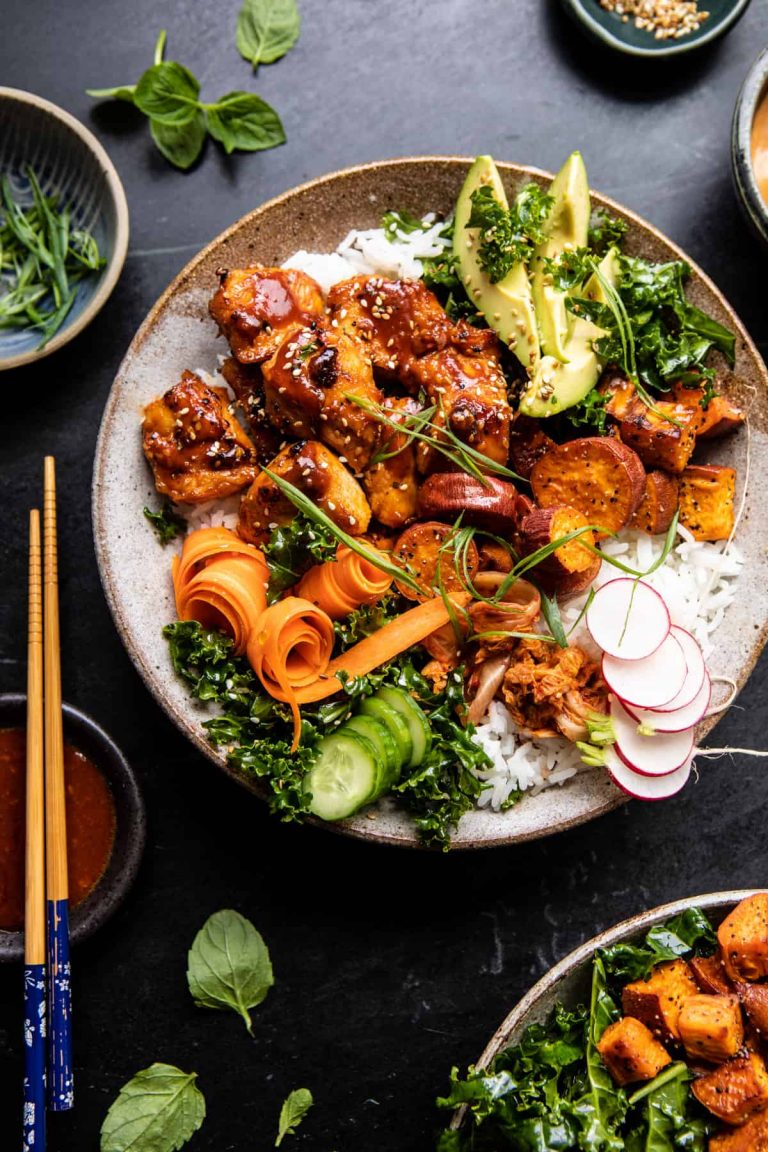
(622, 36)
(178, 334)
(569, 981)
(131, 823)
(754, 89)
(70, 162)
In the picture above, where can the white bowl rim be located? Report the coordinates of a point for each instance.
(117, 259)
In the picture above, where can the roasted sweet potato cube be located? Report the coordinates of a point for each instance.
(718, 418)
(734, 1091)
(711, 1027)
(658, 505)
(706, 500)
(710, 975)
(743, 939)
(657, 1001)
(630, 1052)
(663, 436)
(754, 1001)
(751, 1137)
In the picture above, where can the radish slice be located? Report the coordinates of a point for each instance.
(628, 619)
(651, 682)
(679, 720)
(697, 670)
(648, 787)
(657, 755)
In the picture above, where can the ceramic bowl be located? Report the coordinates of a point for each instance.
(610, 29)
(755, 87)
(69, 161)
(178, 333)
(569, 981)
(130, 832)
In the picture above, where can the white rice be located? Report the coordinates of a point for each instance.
(697, 580)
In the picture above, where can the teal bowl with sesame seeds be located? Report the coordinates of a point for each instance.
(672, 28)
(73, 169)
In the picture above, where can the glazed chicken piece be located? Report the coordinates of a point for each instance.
(317, 472)
(399, 321)
(470, 393)
(410, 339)
(550, 690)
(392, 483)
(255, 308)
(246, 382)
(194, 445)
(307, 385)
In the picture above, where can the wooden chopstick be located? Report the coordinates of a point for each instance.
(34, 899)
(60, 1080)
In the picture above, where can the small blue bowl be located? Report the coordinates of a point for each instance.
(623, 36)
(754, 90)
(70, 162)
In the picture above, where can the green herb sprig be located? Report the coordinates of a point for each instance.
(266, 30)
(42, 260)
(169, 95)
(158, 1110)
(508, 236)
(294, 1109)
(166, 522)
(229, 966)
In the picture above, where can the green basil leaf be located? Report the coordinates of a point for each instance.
(243, 121)
(267, 29)
(181, 144)
(229, 965)
(294, 1109)
(157, 1111)
(122, 92)
(168, 93)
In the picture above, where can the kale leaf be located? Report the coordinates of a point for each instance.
(605, 231)
(670, 1117)
(292, 549)
(590, 411)
(571, 268)
(166, 522)
(685, 935)
(508, 235)
(652, 331)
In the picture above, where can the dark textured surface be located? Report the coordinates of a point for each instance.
(389, 966)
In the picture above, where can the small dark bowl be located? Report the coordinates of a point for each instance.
(130, 830)
(610, 29)
(753, 90)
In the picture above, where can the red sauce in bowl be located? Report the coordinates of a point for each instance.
(90, 825)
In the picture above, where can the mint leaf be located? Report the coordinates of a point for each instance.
(294, 1109)
(181, 144)
(242, 120)
(157, 1111)
(267, 29)
(122, 92)
(168, 93)
(228, 965)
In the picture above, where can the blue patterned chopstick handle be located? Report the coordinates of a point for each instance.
(34, 1058)
(60, 1080)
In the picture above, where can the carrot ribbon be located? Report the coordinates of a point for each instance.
(289, 649)
(220, 581)
(340, 586)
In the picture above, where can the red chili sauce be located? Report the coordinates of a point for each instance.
(90, 824)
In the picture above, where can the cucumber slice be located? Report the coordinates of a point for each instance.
(394, 722)
(418, 725)
(386, 748)
(345, 775)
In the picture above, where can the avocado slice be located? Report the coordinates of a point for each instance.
(555, 384)
(507, 305)
(566, 227)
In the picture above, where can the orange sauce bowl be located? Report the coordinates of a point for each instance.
(106, 824)
(749, 146)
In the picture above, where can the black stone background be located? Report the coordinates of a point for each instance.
(390, 965)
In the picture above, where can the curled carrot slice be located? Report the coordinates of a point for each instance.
(340, 586)
(221, 582)
(384, 645)
(289, 650)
